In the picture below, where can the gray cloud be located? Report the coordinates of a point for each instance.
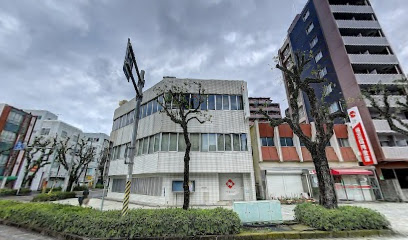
(66, 56)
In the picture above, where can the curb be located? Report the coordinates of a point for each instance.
(251, 236)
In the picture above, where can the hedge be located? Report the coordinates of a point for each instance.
(13, 192)
(53, 196)
(87, 222)
(80, 188)
(342, 218)
(57, 189)
(99, 186)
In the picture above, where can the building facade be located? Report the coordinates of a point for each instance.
(16, 127)
(351, 51)
(266, 104)
(284, 168)
(221, 168)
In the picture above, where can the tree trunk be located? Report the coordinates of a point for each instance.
(70, 183)
(186, 188)
(328, 197)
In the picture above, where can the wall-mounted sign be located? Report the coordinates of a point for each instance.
(360, 135)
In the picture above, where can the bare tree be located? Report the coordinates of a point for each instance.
(323, 120)
(104, 157)
(74, 159)
(383, 104)
(181, 108)
(37, 156)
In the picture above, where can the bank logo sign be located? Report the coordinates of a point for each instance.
(360, 134)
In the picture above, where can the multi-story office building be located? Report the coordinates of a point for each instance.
(284, 168)
(221, 168)
(16, 127)
(351, 51)
(266, 104)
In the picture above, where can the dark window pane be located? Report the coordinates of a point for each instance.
(167, 100)
(264, 142)
(289, 142)
(149, 108)
(203, 102)
(151, 144)
(244, 144)
(270, 141)
(194, 101)
(173, 142)
(236, 142)
(283, 142)
(225, 102)
(195, 141)
(156, 142)
(228, 146)
(165, 142)
(181, 143)
(220, 142)
(154, 106)
(186, 101)
(218, 102)
(140, 148)
(240, 105)
(234, 105)
(159, 107)
(145, 145)
(211, 102)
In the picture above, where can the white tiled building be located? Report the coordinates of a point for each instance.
(221, 168)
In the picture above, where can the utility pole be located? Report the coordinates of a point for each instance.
(130, 61)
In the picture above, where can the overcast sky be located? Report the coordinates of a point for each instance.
(67, 56)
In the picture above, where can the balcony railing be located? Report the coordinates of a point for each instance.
(395, 152)
(365, 41)
(376, 78)
(373, 59)
(382, 126)
(351, 9)
(364, 24)
(391, 99)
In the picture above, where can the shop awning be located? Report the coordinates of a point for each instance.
(9, 178)
(351, 172)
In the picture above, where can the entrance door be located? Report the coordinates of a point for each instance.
(290, 186)
(231, 187)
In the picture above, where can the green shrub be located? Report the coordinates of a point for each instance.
(88, 222)
(25, 191)
(342, 218)
(99, 185)
(80, 188)
(57, 189)
(8, 192)
(53, 196)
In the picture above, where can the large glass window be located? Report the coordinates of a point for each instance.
(240, 104)
(225, 102)
(220, 142)
(244, 144)
(173, 142)
(343, 142)
(145, 145)
(154, 106)
(218, 99)
(181, 143)
(236, 142)
(204, 142)
(160, 100)
(309, 28)
(228, 146)
(195, 141)
(211, 102)
(165, 142)
(139, 149)
(267, 142)
(186, 101)
(195, 101)
(156, 142)
(151, 144)
(203, 102)
(234, 105)
(212, 146)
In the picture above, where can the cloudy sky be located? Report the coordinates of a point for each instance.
(67, 56)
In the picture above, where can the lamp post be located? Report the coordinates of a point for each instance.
(130, 62)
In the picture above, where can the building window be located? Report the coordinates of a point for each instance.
(318, 57)
(286, 142)
(314, 42)
(45, 131)
(181, 143)
(195, 141)
(7, 136)
(145, 145)
(203, 102)
(334, 107)
(212, 142)
(151, 144)
(328, 89)
(220, 142)
(177, 186)
(343, 142)
(64, 134)
(151, 186)
(236, 142)
(228, 146)
(234, 104)
(244, 142)
(309, 28)
(204, 142)
(322, 72)
(225, 102)
(156, 142)
(306, 15)
(218, 101)
(211, 102)
(173, 142)
(165, 142)
(15, 118)
(267, 142)
(118, 185)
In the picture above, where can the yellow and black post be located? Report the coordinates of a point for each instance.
(130, 62)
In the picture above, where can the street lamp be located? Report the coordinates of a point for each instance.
(130, 62)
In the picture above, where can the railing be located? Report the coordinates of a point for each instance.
(365, 24)
(351, 9)
(376, 78)
(373, 59)
(366, 41)
(391, 99)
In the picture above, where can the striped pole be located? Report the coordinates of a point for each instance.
(126, 199)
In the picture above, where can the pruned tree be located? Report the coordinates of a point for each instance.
(103, 159)
(74, 158)
(322, 118)
(36, 157)
(176, 102)
(383, 104)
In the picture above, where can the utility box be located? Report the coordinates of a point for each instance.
(259, 211)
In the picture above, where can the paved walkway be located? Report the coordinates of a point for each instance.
(13, 233)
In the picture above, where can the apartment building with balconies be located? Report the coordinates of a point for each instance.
(267, 105)
(221, 168)
(351, 51)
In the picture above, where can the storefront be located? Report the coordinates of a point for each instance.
(351, 184)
